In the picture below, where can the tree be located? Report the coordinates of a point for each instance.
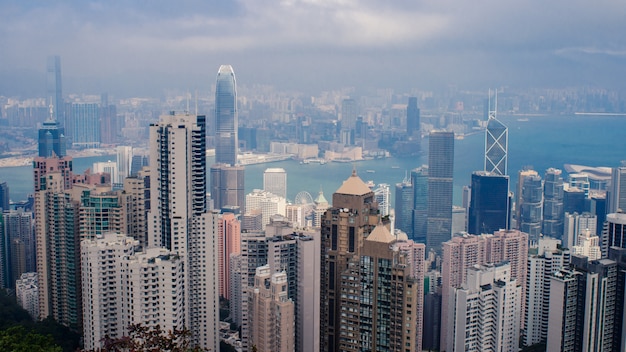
(151, 339)
(18, 339)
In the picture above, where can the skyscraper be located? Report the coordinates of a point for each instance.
(228, 186)
(617, 192)
(54, 97)
(51, 139)
(489, 209)
(440, 174)
(404, 207)
(179, 220)
(614, 232)
(412, 117)
(349, 112)
(4, 196)
(531, 212)
(553, 204)
(275, 181)
(226, 117)
(496, 146)
(85, 125)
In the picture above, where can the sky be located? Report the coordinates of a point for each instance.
(151, 46)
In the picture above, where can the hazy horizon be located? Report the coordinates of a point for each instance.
(146, 48)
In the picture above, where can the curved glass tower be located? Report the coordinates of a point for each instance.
(226, 116)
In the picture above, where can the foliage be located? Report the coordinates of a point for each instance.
(224, 347)
(19, 339)
(151, 339)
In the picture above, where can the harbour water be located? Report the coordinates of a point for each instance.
(537, 141)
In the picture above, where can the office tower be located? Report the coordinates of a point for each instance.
(85, 125)
(271, 312)
(545, 257)
(582, 306)
(269, 204)
(597, 207)
(383, 198)
(20, 245)
(229, 244)
(531, 212)
(580, 181)
(124, 162)
(57, 236)
(51, 139)
(349, 112)
(440, 174)
(412, 117)
(321, 205)
(419, 179)
(54, 91)
(109, 128)
(617, 191)
(614, 232)
(26, 293)
(4, 197)
(179, 220)
(573, 200)
(459, 220)
(575, 224)
(228, 186)
(275, 181)
(344, 227)
(117, 282)
(138, 162)
(489, 209)
(485, 315)
(521, 176)
(404, 207)
(553, 204)
(226, 117)
(496, 146)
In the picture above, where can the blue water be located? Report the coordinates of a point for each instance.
(541, 142)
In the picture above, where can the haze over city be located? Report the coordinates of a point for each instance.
(145, 48)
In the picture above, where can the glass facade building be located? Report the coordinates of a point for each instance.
(226, 118)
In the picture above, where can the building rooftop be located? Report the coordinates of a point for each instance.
(381, 234)
(354, 186)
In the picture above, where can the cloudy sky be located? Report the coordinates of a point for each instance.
(150, 46)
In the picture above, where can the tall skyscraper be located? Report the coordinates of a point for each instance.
(419, 179)
(617, 192)
(489, 209)
(582, 307)
(496, 145)
(271, 312)
(54, 91)
(51, 139)
(124, 161)
(228, 186)
(614, 232)
(531, 212)
(440, 174)
(19, 244)
(553, 204)
(275, 181)
(545, 258)
(226, 117)
(85, 125)
(521, 176)
(349, 112)
(57, 236)
(412, 118)
(404, 207)
(179, 220)
(344, 226)
(575, 224)
(4, 196)
(229, 244)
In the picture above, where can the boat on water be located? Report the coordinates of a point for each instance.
(523, 119)
(370, 171)
(395, 167)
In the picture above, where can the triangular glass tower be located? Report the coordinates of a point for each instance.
(496, 142)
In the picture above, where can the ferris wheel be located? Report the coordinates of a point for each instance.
(305, 200)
